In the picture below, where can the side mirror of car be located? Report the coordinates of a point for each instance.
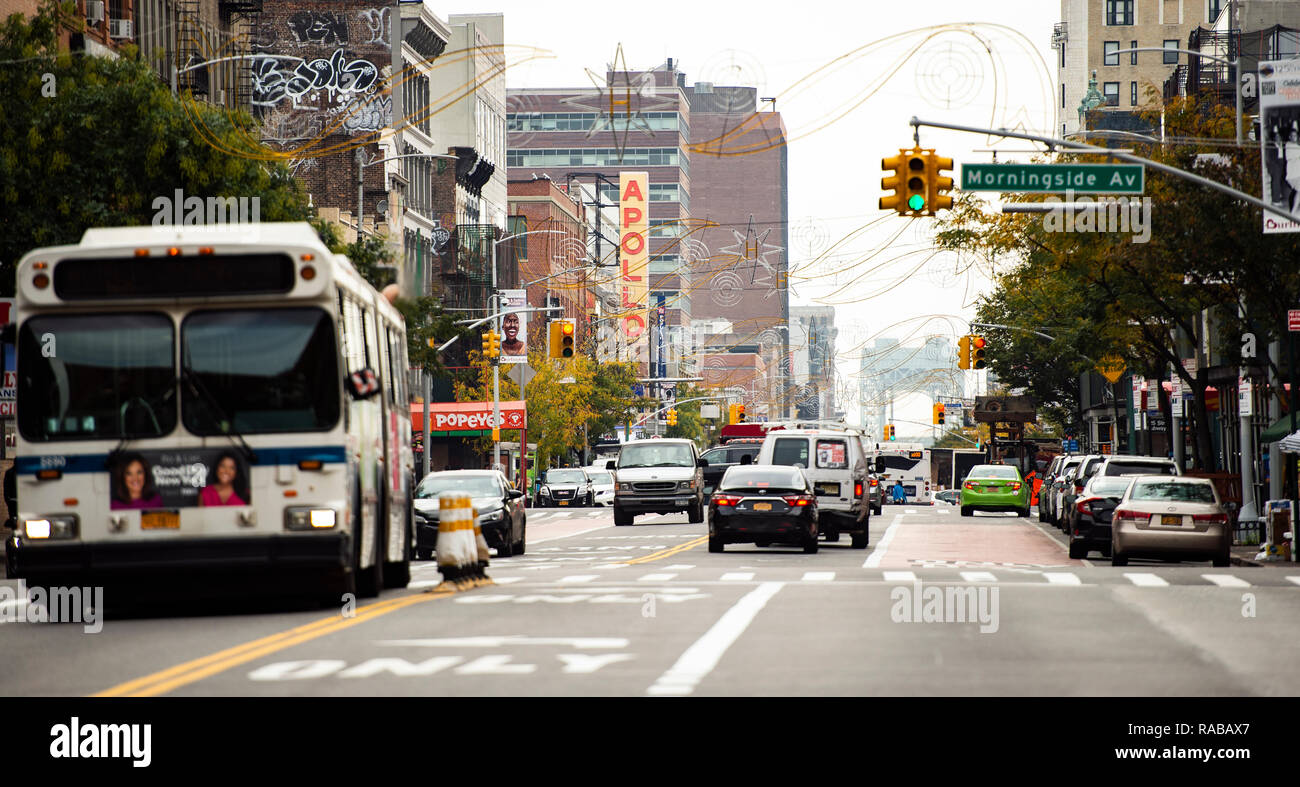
(611, 464)
(1231, 506)
(747, 459)
(514, 494)
(702, 462)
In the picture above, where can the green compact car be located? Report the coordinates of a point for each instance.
(995, 488)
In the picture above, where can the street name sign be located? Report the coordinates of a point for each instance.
(1047, 178)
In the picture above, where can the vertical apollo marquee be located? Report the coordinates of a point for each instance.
(634, 257)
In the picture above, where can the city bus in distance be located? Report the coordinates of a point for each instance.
(909, 462)
(209, 405)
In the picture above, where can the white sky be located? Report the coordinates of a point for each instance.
(1003, 75)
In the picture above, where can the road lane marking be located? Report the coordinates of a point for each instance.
(206, 666)
(700, 658)
(678, 568)
(737, 576)
(656, 577)
(580, 578)
(1294, 580)
(569, 535)
(506, 580)
(900, 576)
(1146, 580)
(1061, 578)
(978, 576)
(1226, 580)
(873, 560)
(818, 576)
(694, 542)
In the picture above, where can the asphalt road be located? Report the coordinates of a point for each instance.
(937, 605)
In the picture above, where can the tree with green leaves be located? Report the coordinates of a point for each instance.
(90, 141)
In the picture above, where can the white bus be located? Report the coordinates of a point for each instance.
(909, 463)
(209, 406)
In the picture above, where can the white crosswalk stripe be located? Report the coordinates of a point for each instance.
(978, 576)
(1061, 578)
(1295, 580)
(507, 580)
(580, 578)
(678, 568)
(818, 576)
(900, 576)
(737, 576)
(656, 577)
(1146, 580)
(1226, 580)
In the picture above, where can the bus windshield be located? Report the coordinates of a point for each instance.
(96, 376)
(267, 370)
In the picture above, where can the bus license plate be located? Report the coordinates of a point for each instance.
(160, 520)
(828, 489)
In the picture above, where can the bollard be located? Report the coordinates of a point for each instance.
(462, 553)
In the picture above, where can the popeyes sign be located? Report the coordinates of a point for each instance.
(469, 416)
(633, 251)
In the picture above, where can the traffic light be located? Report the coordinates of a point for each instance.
(560, 336)
(491, 345)
(889, 431)
(496, 344)
(740, 413)
(963, 352)
(938, 183)
(977, 354)
(938, 413)
(672, 417)
(898, 166)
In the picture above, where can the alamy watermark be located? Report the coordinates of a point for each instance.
(946, 604)
(180, 210)
(53, 605)
(78, 739)
(1102, 214)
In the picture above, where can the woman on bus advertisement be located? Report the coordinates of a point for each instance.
(228, 485)
(132, 484)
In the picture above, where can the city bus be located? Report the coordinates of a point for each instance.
(910, 463)
(209, 406)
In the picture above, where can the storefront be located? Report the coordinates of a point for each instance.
(453, 426)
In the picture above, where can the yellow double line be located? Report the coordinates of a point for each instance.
(663, 553)
(200, 668)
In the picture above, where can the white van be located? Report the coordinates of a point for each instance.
(836, 464)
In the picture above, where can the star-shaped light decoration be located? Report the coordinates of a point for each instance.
(751, 250)
(626, 101)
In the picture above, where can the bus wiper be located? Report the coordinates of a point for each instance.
(201, 391)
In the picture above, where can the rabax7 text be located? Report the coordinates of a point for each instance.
(98, 741)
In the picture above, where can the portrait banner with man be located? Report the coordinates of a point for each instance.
(514, 327)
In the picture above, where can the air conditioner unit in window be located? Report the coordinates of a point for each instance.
(94, 11)
(119, 28)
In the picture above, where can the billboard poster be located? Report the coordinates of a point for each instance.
(514, 327)
(178, 478)
(1279, 108)
(634, 258)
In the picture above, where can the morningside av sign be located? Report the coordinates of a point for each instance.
(1045, 178)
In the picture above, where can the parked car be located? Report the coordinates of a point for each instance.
(1045, 491)
(994, 488)
(1138, 465)
(950, 496)
(1171, 517)
(500, 508)
(658, 477)
(1090, 524)
(835, 463)
(602, 486)
(1070, 492)
(565, 486)
(761, 505)
(722, 458)
(1058, 486)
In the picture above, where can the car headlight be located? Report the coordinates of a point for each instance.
(492, 516)
(306, 518)
(686, 485)
(546, 490)
(624, 486)
(51, 527)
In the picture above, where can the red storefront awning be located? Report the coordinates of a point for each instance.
(468, 416)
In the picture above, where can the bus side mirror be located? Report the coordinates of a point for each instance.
(363, 384)
(880, 464)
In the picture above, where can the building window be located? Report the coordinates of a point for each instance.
(1133, 56)
(1062, 95)
(1287, 45)
(1111, 91)
(1110, 49)
(1132, 94)
(1171, 51)
(1119, 12)
(1062, 54)
(1215, 7)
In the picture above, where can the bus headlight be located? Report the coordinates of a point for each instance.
(51, 527)
(305, 518)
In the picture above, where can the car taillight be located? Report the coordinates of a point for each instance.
(797, 501)
(875, 482)
(1082, 506)
(857, 489)
(968, 485)
(1015, 486)
(1222, 518)
(1123, 513)
(726, 500)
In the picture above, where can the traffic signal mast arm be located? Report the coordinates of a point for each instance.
(673, 406)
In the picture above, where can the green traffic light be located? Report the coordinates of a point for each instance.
(916, 202)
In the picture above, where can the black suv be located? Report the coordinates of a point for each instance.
(722, 458)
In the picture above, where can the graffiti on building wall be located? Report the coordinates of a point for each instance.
(375, 21)
(319, 28)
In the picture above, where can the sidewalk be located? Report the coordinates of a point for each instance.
(1245, 556)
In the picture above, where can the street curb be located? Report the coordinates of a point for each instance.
(1241, 561)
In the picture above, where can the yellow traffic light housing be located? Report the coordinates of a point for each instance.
(938, 413)
(560, 336)
(889, 431)
(672, 417)
(496, 344)
(917, 186)
(740, 413)
(491, 345)
(963, 352)
(567, 330)
(894, 182)
(938, 183)
(977, 356)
